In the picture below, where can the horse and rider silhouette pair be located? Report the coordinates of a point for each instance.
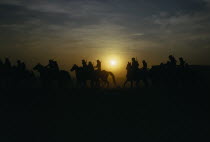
(165, 73)
(94, 76)
(135, 74)
(98, 78)
(51, 73)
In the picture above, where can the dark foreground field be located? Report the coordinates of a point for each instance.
(153, 114)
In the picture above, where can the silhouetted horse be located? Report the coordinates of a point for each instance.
(83, 76)
(136, 76)
(164, 75)
(24, 77)
(47, 76)
(103, 75)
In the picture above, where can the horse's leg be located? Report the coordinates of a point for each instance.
(107, 82)
(125, 83)
(98, 84)
(131, 84)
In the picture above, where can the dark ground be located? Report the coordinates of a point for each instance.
(152, 114)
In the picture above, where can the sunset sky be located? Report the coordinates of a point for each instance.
(70, 30)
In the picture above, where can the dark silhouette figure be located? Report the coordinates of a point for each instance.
(53, 66)
(129, 74)
(144, 65)
(7, 64)
(98, 66)
(83, 76)
(14, 76)
(135, 64)
(51, 73)
(166, 74)
(18, 65)
(103, 76)
(95, 77)
(173, 75)
(90, 67)
(21, 66)
(172, 61)
(7, 73)
(21, 74)
(182, 62)
(44, 76)
(134, 74)
(84, 65)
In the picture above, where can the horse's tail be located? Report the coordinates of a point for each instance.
(113, 77)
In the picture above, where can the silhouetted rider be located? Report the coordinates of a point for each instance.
(144, 65)
(53, 66)
(18, 65)
(21, 66)
(135, 64)
(98, 66)
(182, 62)
(84, 65)
(128, 68)
(172, 61)
(90, 67)
(7, 64)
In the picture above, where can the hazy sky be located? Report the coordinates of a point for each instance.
(69, 30)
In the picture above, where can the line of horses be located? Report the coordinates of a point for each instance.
(98, 79)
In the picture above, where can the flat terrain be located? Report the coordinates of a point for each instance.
(152, 114)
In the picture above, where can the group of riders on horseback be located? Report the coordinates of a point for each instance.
(89, 72)
(89, 68)
(95, 75)
(134, 73)
(163, 73)
(12, 75)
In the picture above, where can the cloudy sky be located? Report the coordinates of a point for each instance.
(69, 30)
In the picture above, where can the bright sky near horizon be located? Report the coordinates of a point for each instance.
(110, 30)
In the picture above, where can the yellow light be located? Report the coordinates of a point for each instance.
(113, 62)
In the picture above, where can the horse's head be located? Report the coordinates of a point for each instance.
(38, 67)
(75, 67)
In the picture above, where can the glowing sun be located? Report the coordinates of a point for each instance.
(113, 62)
